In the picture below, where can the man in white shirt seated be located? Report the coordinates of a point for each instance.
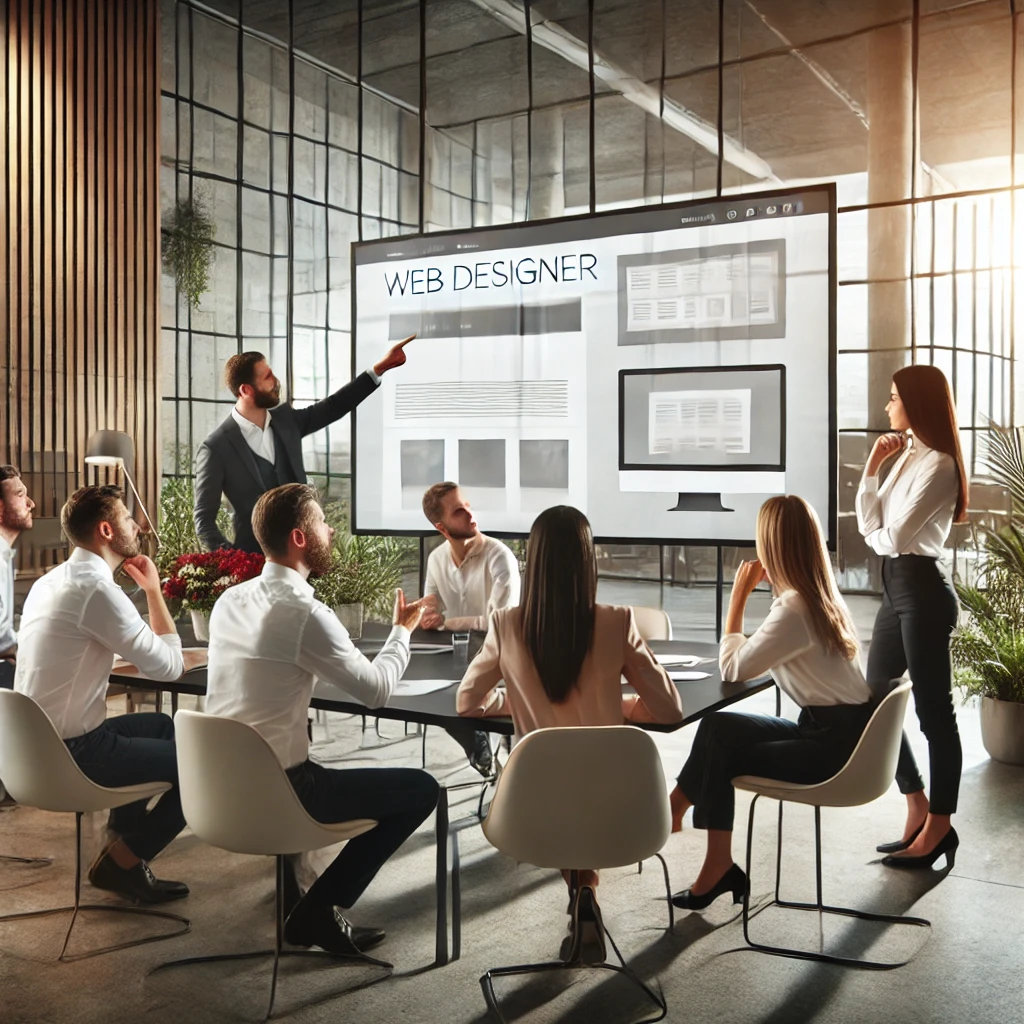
(467, 579)
(270, 640)
(15, 517)
(75, 620)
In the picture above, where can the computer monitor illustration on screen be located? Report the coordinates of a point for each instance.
(702, 431)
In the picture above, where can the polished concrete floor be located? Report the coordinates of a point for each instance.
(967, 967)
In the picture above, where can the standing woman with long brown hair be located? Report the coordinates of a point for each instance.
(907, 519)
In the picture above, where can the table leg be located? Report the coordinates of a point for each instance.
(441, 880)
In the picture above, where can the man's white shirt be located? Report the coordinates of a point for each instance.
(8, 638)
(75, 620)
(485, 582)
(270, 641)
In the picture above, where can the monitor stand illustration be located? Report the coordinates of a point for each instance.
(701, 432)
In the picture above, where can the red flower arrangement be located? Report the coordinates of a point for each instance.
(198, 580)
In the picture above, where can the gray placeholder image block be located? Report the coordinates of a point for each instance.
(422, 465)
(544, 464)
(482, 463)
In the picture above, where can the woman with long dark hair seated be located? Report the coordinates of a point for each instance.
(562, 655)
(809, 645)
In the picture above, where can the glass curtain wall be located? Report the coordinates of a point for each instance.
(304, 125)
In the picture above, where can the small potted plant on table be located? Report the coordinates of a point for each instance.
(197, 580)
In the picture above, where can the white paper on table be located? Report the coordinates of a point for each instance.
(419, 687)
(687, 677)
(688, 660)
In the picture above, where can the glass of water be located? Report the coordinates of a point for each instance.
(460, 647)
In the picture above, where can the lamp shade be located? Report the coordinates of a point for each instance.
(110, 448)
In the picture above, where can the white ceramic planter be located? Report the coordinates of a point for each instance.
(200, 625)
(1002, 730)
(351, 617)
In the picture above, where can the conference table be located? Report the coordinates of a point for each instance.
(440, 671)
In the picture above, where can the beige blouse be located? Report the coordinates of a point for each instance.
(597, 699)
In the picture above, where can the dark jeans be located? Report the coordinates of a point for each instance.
(128, 750)
(912, 628)
(6, 674)
(728, 744)
(399, 799)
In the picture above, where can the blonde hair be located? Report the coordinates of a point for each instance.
(792, 550)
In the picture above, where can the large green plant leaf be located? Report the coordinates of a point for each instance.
(1004, 457)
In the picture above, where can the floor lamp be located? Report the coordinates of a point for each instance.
(114, 448)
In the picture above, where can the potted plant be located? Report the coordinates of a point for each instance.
(988, 647)
(362, 579)
(988, 657)
(197, 580)
(187, 247)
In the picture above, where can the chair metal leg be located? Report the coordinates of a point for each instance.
(572, 962)
(111, 908)
(277, 952)
(668, 893)
(819, 906)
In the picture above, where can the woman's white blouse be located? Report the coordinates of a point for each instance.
(912, 512)
(787, 645)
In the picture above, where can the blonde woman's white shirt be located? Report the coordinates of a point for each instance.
(787, 646)
(911, 513)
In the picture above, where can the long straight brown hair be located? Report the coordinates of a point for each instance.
(792, 550)
(928, 401)
(559, 595)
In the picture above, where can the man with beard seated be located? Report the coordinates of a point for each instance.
(270, 641)
(75, 620)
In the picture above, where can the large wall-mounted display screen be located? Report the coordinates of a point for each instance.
(665, 369)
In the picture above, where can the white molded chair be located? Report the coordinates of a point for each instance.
(653, 623)
(588, 797)
(39, 771)
(236, 795)
(866, 776)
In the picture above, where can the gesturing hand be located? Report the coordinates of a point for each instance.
(142, 570)
(406, 614)
(395, 357)
(884, 447)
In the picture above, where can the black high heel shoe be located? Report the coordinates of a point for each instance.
(900, 844)
(734, 880)
(946, 845)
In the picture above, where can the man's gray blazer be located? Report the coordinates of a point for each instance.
(225, 464)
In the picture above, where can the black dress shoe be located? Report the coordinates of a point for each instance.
(330, 931)
(734, 880)
(946, 845)
(137, 884)
(482, 759)
(900, 844)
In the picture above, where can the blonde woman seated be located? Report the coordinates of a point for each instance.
(809, 645)
(560, 653)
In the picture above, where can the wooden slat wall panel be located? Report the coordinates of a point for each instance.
(79, 237)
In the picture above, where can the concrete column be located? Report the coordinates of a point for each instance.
(890, 173)
(547, 181)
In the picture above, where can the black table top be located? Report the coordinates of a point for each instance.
(699, 697)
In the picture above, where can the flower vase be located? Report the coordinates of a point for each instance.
(351, 617)
(201, 625)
